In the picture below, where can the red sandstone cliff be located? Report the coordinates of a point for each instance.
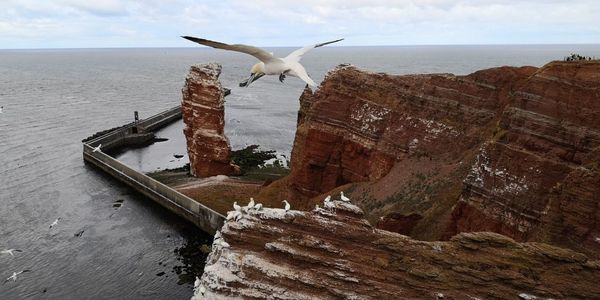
(334, 253)
(510, 150)
(203, 115)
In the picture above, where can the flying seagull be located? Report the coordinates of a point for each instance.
(10, 251)
(13, 277)
(97, 148)
(54, 223)
(269, 64)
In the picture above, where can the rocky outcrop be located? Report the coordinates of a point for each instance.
(203, 115)
(510, 150)
(334, 253)
(538, 179)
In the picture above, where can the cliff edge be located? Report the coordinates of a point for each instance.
(334, 253)
(513, 150)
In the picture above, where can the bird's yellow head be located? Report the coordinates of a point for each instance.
(257, 71)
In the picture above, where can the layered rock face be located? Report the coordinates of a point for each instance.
(334, 253)
(539, 179)
(510, 150)
(203, 115)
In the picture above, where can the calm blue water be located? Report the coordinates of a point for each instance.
(54, 98)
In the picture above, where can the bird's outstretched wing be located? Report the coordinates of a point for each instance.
(261, 54)
(297, 55)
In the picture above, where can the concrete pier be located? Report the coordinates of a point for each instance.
(205, 218)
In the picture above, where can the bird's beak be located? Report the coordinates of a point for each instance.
(253, 77)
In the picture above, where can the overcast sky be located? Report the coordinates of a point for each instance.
(154, 23)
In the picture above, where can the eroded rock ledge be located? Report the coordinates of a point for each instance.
(334, 253)
(204, 117)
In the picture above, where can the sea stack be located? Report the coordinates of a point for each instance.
(204, 118)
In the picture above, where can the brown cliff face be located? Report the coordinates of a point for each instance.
(334, 253)
(510, 150)
(538, 179)
(203, 115)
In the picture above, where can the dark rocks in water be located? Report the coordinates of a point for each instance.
(250, 157)
(160, 274)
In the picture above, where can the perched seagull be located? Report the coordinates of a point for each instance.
(217, 236)
(237, 207)
(317, 207)
(224, 244)
(230, 215)
(14, 275)
(287, 205)
(202, 290)
(344, 198)
(328, 198)
(197, 282)
(269, 64)
(251, 203)
(10, 251)
(97, 148)
(237, 215)
(54, 223)
(258, 206)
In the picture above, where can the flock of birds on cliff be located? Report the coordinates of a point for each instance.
(237, 214)
(269, 64)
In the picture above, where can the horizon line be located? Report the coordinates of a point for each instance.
(336, 46)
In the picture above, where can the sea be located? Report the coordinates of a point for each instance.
(111, 242)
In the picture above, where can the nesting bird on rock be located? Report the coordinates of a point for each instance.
(344, 198)
(287, 205)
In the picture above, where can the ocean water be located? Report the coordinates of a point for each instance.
(54, 98)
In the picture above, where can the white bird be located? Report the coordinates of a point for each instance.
(251, 203)
(328, 198)
(217, 235)
(97, 148)
(14, 275)
(10, 251)
(287, 205)
(258, 206)
(237, 207)
(224, 244)
(237, 215)
(202, 290)
(344, 198)
(269, 64)
(230, 215)
(197, 283)
(54, 223)
(317, 207)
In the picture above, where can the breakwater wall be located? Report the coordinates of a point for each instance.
(205, 218)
